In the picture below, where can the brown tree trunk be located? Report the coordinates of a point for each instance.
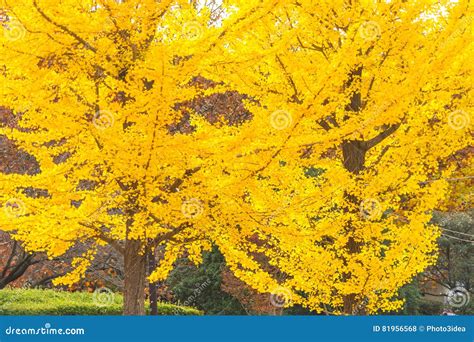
(354, 158)
(135, 273)
(353, 152)
(152, 286)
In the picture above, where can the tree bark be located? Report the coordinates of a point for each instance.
(152, 286)
(353, 152)
(354, 158)
(134, 283)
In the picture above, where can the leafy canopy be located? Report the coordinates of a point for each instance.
(323, 195)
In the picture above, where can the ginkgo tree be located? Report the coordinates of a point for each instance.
(95, 87)
(322, 195)
(360, 110)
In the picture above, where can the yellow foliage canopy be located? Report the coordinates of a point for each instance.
(324, 191)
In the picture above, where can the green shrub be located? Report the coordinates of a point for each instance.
(54, 302)
(200, 286)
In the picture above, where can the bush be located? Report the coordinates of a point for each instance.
(200, 286)
(53, 302)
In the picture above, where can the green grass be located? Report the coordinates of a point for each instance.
(54, 302)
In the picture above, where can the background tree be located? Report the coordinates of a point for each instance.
(447, 285)
(454, 268)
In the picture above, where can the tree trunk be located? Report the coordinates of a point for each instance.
(152, 286)
(354, 158)
(353, 152)
(134, 289)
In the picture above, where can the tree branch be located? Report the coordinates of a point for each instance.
(290, 80)
(105, 238)
(64, 28)
(379, 138)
